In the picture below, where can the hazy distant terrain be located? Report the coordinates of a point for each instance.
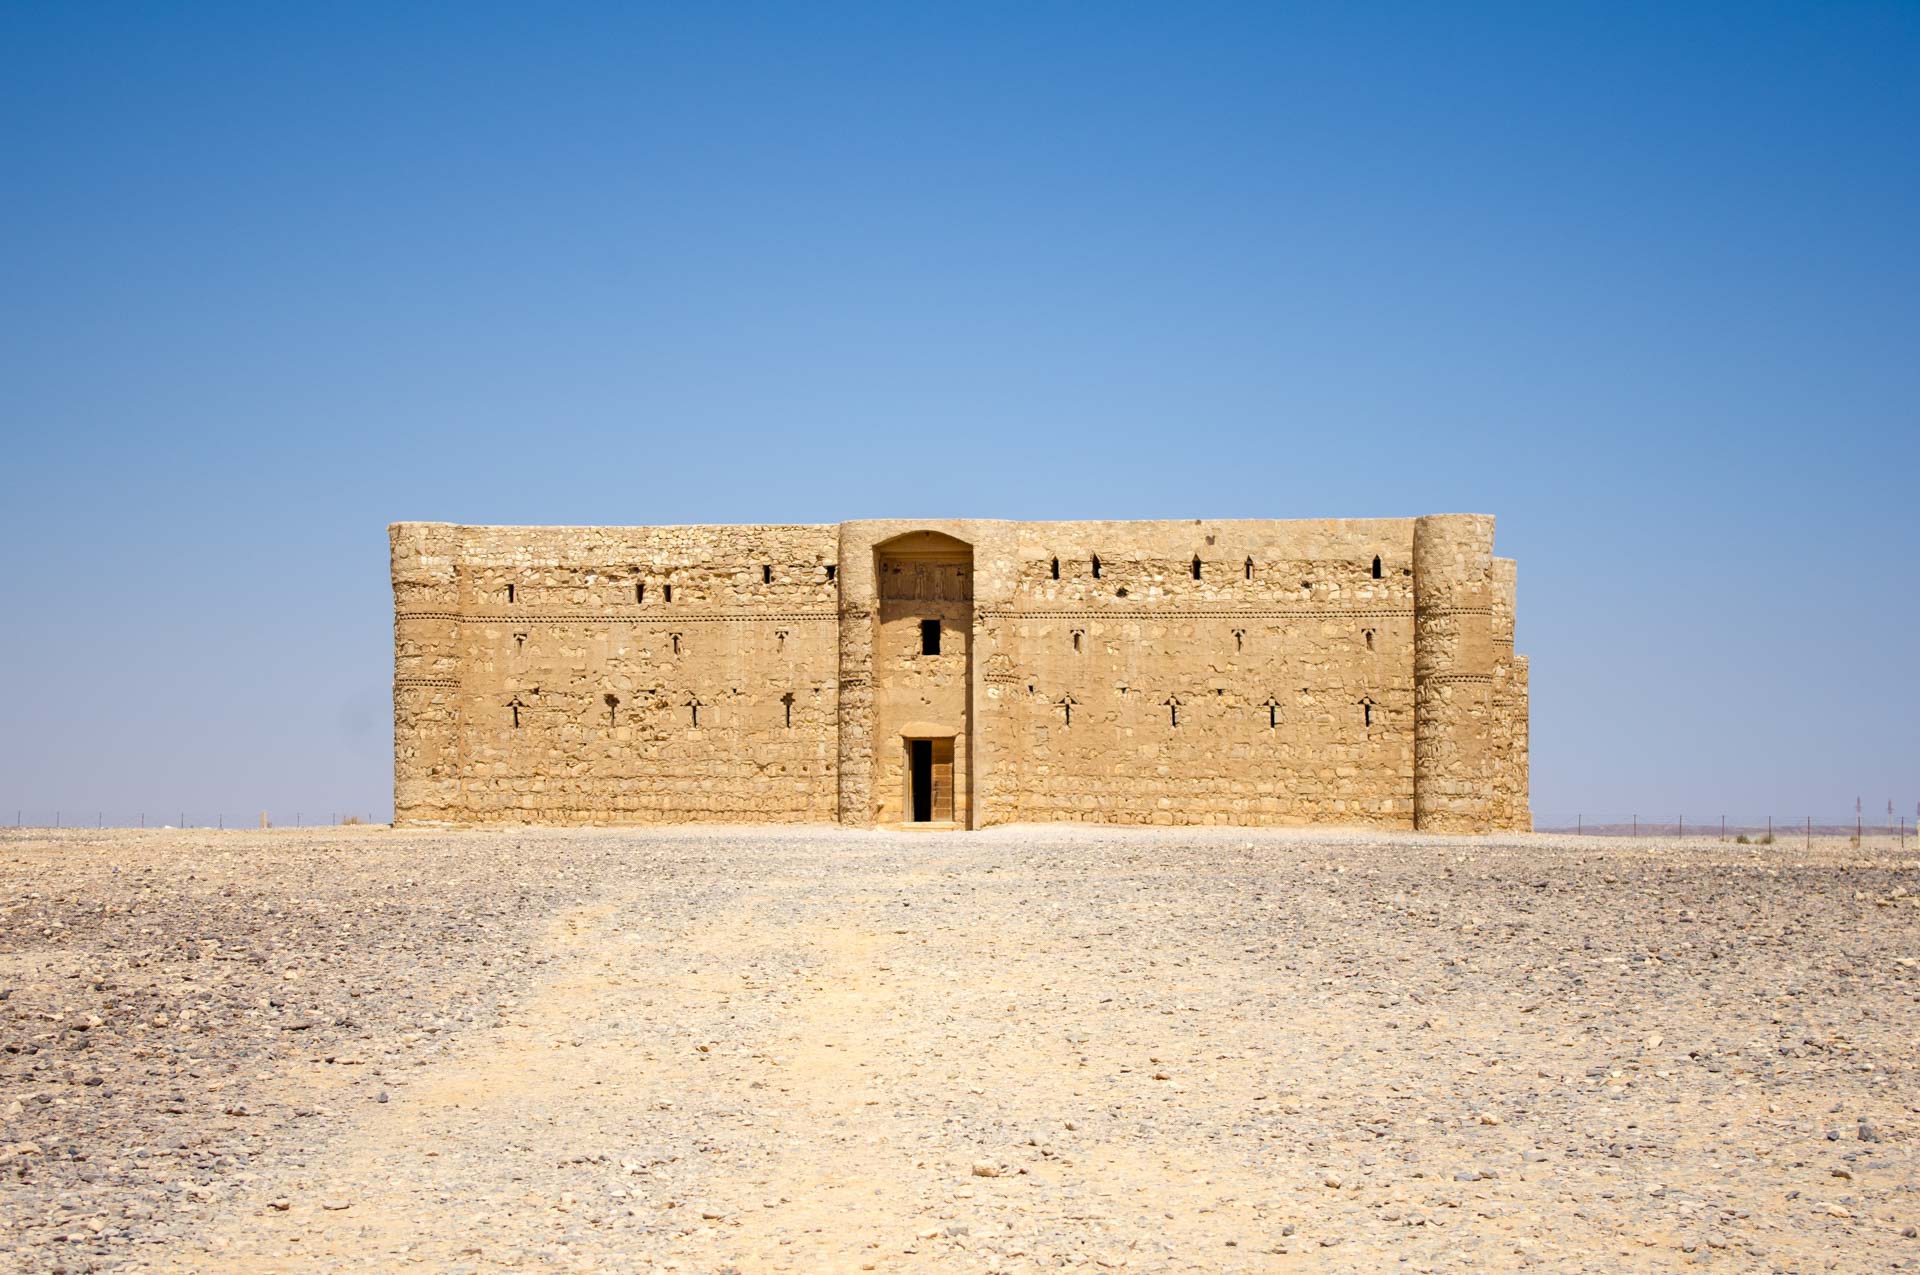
(1014, 1050)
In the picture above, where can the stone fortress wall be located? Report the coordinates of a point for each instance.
(960, 673)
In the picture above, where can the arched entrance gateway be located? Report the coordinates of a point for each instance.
(922, 676)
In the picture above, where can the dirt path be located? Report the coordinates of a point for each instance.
(746, 1088)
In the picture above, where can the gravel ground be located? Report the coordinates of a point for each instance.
(712, 1050)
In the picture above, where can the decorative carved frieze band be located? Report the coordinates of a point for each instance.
(443, 683)
(620, 617)
(1221, 613)
(804, 617)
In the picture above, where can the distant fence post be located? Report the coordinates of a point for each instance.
(1636, 825)
(1809, 832)
(1683, 825)
(1769, 829)
(1580, 825)
(1723, 827)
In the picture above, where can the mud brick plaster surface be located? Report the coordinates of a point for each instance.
(1087, 671)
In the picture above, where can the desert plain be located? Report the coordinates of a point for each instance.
(1025, 1049)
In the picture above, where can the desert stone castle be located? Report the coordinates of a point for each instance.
(956, 673)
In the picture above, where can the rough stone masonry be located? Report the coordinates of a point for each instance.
(957, 673)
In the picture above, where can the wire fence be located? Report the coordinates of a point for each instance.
(1743, 829)
(24, 818)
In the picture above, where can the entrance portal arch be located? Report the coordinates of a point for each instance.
(922, 679)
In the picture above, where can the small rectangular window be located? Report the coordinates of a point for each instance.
(929, 637)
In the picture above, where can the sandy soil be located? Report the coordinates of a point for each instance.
(1027, 1048)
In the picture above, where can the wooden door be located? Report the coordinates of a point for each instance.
(942, 777)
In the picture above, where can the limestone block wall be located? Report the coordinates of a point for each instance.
(1191, 672)
(1232, 672)
(625, 675)
(1508, 752)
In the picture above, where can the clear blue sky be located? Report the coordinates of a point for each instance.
(1642, 280)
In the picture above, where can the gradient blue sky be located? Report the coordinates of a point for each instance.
(1642, 280)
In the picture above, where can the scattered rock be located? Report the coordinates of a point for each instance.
(155, 1110)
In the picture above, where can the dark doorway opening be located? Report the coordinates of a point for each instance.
(930, 780)
(920, 759)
